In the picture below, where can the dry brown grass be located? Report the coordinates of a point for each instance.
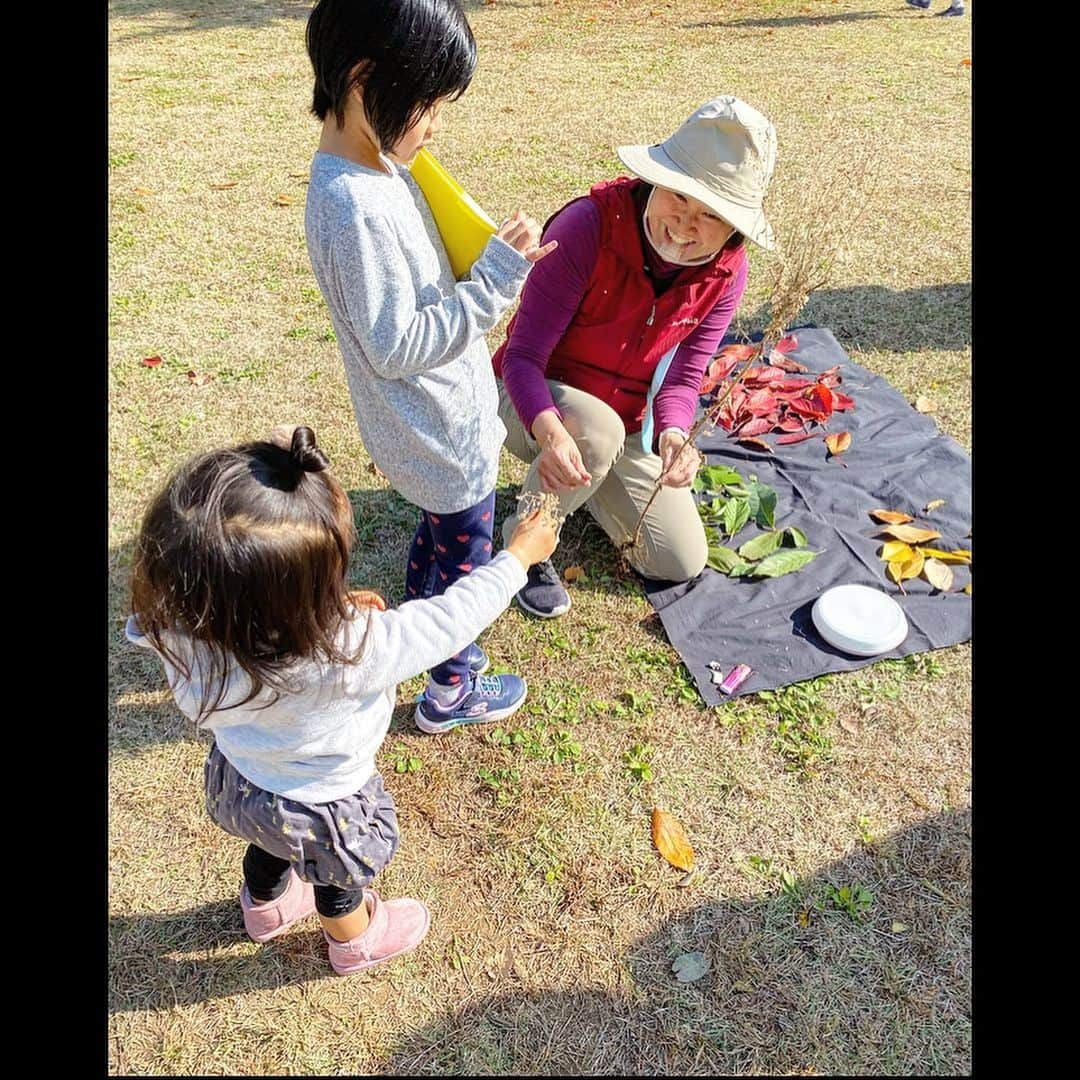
(555, 922)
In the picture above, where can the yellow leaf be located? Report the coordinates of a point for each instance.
(143, 191)
(967, 588)
(742, 987)
(947, 556)
(933, 504)
(899, 928)
(804, 918)
(671, 840)
(572, 573)
(894, 570)
(925, 404)
(285, 200)
(890, 517)
(938, 574)
(839, 442)
(961, 553)
(910, 534)
(912, 567)
(895, 549)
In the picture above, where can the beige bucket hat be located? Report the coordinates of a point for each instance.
(724, 156)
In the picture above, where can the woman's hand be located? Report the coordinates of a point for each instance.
(560, 464)
(366, 598)
(523, 235)
(678, 469)
(533, 540)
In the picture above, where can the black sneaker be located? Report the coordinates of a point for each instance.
(543, 594)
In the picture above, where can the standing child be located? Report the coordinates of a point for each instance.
(240, 587)
(412, 337)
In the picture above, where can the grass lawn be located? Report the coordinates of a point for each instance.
(832, 892)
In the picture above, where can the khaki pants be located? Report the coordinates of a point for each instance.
(672, 546)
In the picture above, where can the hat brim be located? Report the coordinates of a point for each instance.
(652, 164)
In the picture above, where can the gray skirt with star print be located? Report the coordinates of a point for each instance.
(343, 843)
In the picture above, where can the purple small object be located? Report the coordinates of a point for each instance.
(735, 678)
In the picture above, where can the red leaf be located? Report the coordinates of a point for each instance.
(759, 425)
(708, 385)
(722, 367)
(797, 437)
(761, 402)
(787, 344)
(789, 386)
(821, 397)
(805, 408)
(150, 361)
(829, 380)
(736, 352)
(791, 423)
(841, 402)
(760, 444)
(785, 363)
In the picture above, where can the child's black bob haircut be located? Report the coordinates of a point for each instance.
(405, 54)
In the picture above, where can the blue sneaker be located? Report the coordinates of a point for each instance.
(924, 4)
(543, 594)
(490, 697)
(478, 660)
(953, 9)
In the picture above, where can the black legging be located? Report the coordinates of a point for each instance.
(266, 877)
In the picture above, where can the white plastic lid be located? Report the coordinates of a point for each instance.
(859, 620)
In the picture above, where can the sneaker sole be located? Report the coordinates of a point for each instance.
(431, 727)
(543, 614)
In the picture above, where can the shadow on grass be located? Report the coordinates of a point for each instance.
(799, 20)
(209, 14)
(899, 320)
(796, 981)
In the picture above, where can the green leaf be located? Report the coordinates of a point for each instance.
(723, 558)
(742, 569)
(762, 545)
(713, 477)
(736, 515)
(765, 512)
(784, 562)
(797, 536)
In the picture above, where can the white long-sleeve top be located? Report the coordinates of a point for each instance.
(318, 743)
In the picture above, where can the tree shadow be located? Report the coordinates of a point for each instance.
(795, 20)
(209, 14)
(803, 977)
(899, 320)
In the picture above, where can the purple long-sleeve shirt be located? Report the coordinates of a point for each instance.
(552, 295)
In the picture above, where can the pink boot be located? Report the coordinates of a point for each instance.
(266, 921)
(396, 927)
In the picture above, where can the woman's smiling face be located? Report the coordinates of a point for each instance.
(683, 229)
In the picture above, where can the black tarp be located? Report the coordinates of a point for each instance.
(898, 460)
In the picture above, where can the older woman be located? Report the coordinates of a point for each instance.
(615, 330)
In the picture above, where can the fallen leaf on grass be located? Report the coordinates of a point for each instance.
(131, 78)
(938, 574)
(910, 534)
(375, 470)
(144, 191)
(899, 928)
(150, 361)
(742, 987)
(933, 504)
(804, 918)
(671, 840)
(890, 517)
(285, 200)
(198, 378)
(966, 62)
(572, 573)
(690, 966)
(850, 726)
(224, 186)
(925, 404)
(838, 443)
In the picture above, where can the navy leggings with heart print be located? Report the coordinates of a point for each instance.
(446, 547)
